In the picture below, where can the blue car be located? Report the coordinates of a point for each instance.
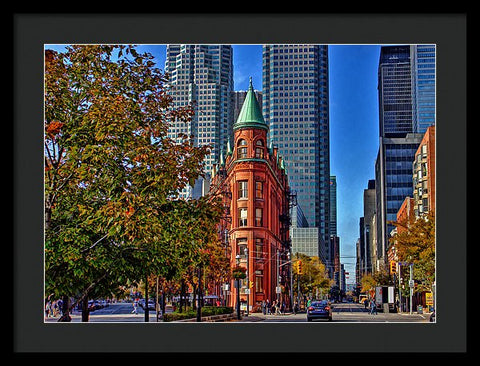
(319, 310)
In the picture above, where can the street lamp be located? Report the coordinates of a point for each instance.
(291, 280)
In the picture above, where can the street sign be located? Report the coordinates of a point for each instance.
(429, 299)
(411, 283)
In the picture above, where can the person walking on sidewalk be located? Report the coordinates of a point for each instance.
(373, 307)
(135, 303)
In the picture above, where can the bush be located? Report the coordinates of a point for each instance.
(190, 314)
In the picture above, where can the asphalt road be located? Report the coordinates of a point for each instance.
(342, 313)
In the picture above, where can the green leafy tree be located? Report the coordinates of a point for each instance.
(111, 172)
(314, 278)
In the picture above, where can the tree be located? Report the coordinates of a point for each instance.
(314, 278)
(111, 172)
(415, 243)
(368, 283)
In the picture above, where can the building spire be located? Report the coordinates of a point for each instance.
(250, 115)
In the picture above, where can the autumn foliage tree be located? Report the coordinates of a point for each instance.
(314, 277)
(112, 175)
(415, 243)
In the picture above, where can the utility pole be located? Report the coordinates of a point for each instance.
(400, 286)
(411, 284)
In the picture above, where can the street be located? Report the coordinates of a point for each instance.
(342, 313)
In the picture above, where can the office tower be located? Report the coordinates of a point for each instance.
(393, 175)
(423, 59)
(399, 101)
(295, 105)
(395, 91)
(202, 75)
(333, 205)
(366, 234)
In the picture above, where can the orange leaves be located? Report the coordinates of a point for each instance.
(53, 129)
(130, 211)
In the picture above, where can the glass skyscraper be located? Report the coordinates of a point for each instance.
(423, 59)
(202, 75)
(295, 105)
(395, 91)
(406, 94)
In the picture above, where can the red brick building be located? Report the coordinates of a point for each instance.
(255, 176)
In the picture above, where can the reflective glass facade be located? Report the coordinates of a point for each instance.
(423, 93)
(395, 91)
(295, 105)
(406, 86)
(202, 75)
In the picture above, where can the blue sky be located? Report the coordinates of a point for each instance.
(353, 125)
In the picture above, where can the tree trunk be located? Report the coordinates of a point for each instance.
(163, 300)
(147, 316)
(85, 311)
(200, 296)
(65, 310)
(194, 299)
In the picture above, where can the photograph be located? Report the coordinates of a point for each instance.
(240, 183)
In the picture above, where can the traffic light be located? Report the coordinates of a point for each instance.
(299, 267)
(393, 267)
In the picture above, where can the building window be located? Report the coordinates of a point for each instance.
(259, 149)
(259, 281)
(258, 217)
(258, 248)
(241, 246)
(242, 217)
(258, 189)
(243, 189)
(242, 149)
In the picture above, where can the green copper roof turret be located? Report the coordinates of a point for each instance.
(250, 115)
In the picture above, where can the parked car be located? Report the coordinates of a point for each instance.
(151, 304)
(319, 310)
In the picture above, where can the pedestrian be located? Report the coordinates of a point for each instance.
(135, 303)
(50, 309)
(283, 308)
(269, 307)
(60, 306)
(47, 309)
(264, 307)
(273, 307)
(365, 302)
(373, 307)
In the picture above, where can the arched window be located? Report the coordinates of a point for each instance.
(259, 149)
(242, 149)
